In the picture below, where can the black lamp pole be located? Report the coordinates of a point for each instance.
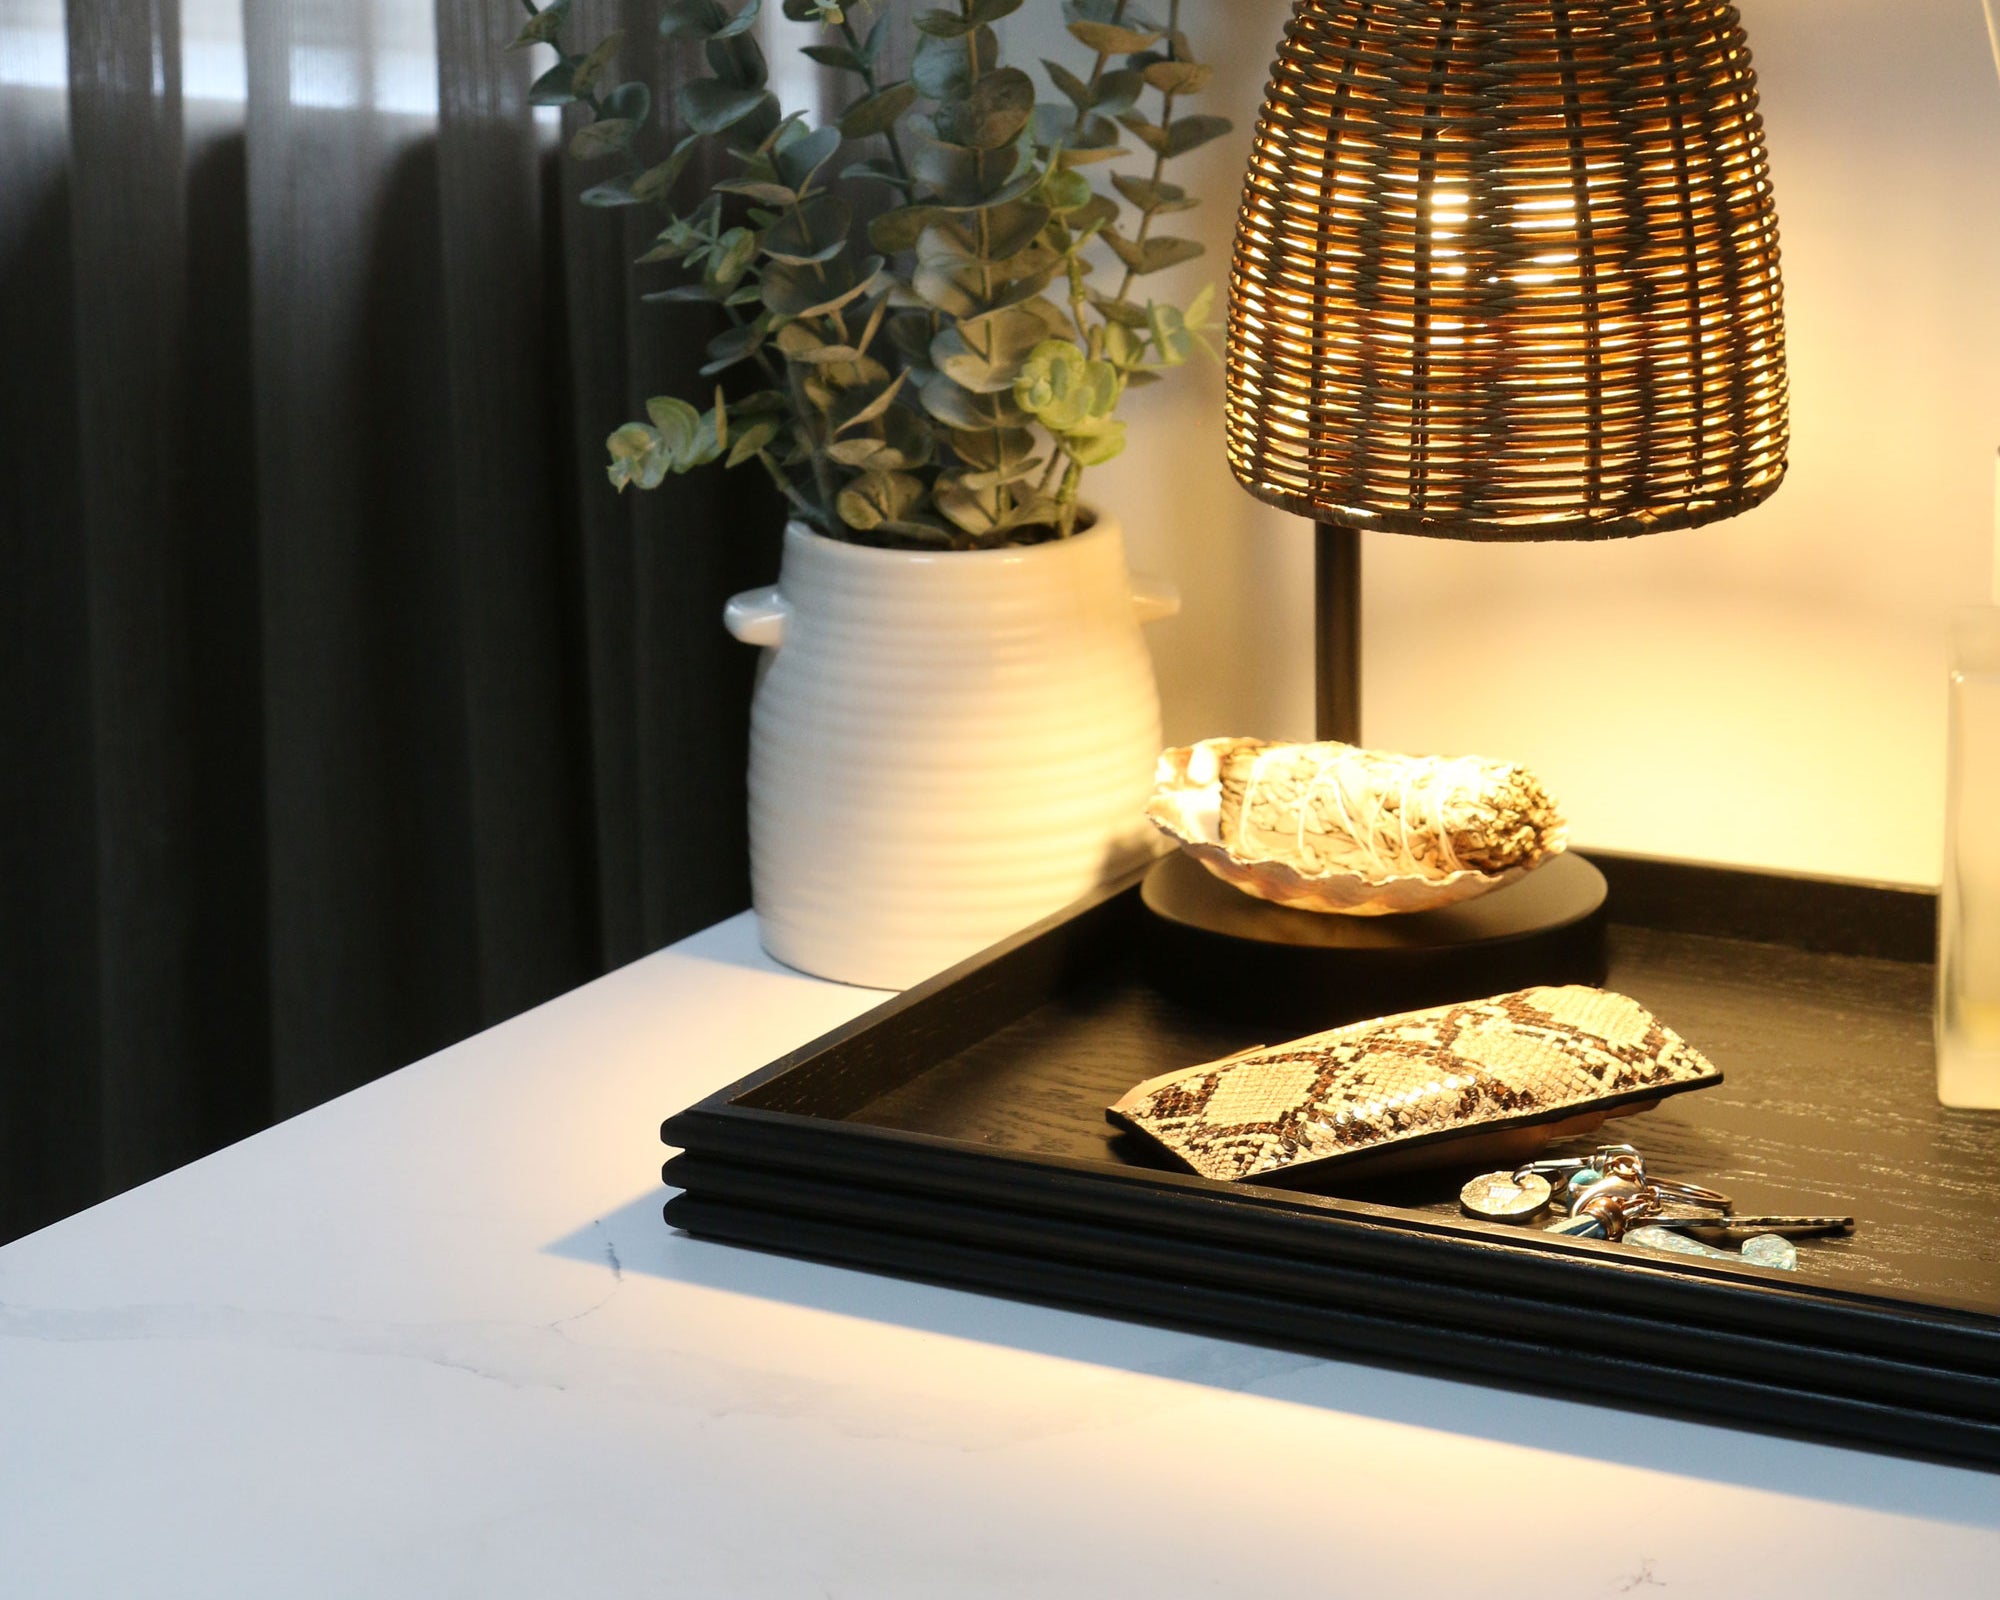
(1337, 625)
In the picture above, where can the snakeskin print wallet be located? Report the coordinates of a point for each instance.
(1476, 1080)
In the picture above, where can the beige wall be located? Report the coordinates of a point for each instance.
(1766, 691)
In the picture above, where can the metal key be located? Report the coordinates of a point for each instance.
(1699, 1223)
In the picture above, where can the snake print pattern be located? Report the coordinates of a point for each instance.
(1424, 1075)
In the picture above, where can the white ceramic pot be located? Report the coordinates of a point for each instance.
(945, 747)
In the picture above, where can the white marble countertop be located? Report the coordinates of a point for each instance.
(433, 1340)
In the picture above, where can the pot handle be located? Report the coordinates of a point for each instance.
(1154, 598)
(757, 616)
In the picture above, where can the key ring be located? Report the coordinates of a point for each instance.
(1609, 1160)
(1693, 1194)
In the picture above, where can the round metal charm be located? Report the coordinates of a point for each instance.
(1505, 1197)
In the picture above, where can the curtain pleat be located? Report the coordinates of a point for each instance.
(347, 709)
(49, 1142)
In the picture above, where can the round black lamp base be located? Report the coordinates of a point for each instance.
(1217, 948)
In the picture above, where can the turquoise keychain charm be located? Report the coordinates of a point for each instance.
(1760, 1250)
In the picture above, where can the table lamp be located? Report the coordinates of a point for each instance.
(1504, 270)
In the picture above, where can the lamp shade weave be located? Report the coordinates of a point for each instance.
(1508, 269)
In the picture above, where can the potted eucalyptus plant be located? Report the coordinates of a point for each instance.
(929, 311)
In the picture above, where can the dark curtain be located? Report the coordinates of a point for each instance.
(346, 710)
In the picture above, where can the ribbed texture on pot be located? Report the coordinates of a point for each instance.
(945, 748)
(1508, 269)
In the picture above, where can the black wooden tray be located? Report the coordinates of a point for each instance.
(957, 1133)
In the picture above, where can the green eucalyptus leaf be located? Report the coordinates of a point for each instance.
(697, 17)
(742, 22)
(731, 346)
(708, 106)
(985, 353)
(770, 194)
(950, 171)
(1065, 191)
(1012, 189)
(941, 24)
(803, 156)
(542, 27)
(749, 441)
(1051, 125)
(632, 101)
(1142, 256)
(737, 61)
(793, 291)
(976, 511)
(893, 232)
(632, 441)
(1150, 197)
(874, 407)
(1178, 77)
(553, 88)
(878, 112)
(878, 171)
(942, 69)
(655, 181)
(992, 113)
(836, 56)
(1069, 84)
(711, 435)
(1094, 449)
(1124, 346)
(1065, 390)
(605, 137)
(1004, 454)
(1012, 227)
(676, 422)
(1094, 215)
(1110, 38)
(1178, 137)
(814, 230)
(878, 497)
(592, 66)
(1118, 92)
(909, 434)
(797, 342)
(1122, 312)
(636, 457)
(681, 294)
(862, 453)
(1094, 138)
(618, 192)
(734, 252)
(958, 407)
(946, 274)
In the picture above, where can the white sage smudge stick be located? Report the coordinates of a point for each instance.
(1325, 808)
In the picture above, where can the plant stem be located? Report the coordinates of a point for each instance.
(868, 79)
(1097, 70)
(822, 479)
(790, 490)
(1159, 156)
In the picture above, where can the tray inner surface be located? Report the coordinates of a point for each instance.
(1828, 1104)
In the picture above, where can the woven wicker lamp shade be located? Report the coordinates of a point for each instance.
(1508, 269)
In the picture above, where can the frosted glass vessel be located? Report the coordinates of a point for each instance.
(1968, 1005)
